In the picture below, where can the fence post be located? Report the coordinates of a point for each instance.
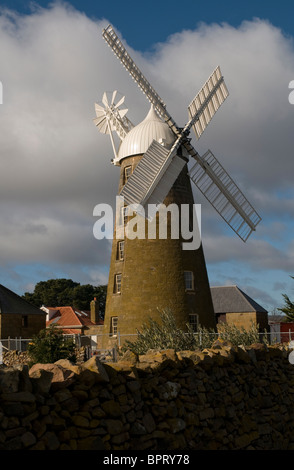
(1, 353)
(114, 354)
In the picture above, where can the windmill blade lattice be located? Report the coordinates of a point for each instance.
(207, 101)
(221, 191)
(154, 175)
(122, 54)
(110, 116)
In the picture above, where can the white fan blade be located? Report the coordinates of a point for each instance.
(102, 125)
(122, 113)
(105, 100)
(113, 97)
(99, 110)
(120, 102)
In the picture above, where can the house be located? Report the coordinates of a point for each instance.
(18, 318)
(233, 306)
(282, 330)
(73, 321)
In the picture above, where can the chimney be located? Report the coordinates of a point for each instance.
(94, 309)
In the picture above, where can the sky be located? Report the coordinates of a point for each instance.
(55, 165)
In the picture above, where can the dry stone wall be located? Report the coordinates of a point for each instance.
(12, 357)
(224, 398)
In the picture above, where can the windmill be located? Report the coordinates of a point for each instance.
(160, 166)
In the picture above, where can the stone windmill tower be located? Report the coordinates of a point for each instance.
(151, 272)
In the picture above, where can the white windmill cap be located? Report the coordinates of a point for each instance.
(138, 140)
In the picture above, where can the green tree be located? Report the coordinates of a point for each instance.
(100, 294)
(52, 293)
(288, 308)
(49, 346)
(63, 292)
(83, 294)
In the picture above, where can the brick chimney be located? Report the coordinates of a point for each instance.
(94, 309)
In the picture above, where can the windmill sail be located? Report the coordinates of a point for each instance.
(220, 190)
(205, 104)
(153, 177)
(120, 51)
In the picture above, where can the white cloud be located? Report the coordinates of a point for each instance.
(55, 166)
(256, 254)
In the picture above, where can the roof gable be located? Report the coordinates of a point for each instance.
(228, 299)
(14, 304)
(70, 317)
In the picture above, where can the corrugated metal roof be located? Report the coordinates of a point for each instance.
(141, 136)
(228, 299)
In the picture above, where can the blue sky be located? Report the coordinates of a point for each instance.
(143, 25)
(55, 165)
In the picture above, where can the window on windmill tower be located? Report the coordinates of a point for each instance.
(193, 321)
(189, 280)
(117, 284)
(113, 326)
(124, 215)
(120, 250)
(127, 173)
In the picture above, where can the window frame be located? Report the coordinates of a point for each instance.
(120, 252)
(194, 324)
(126, 175)
(190, 281)
(124, 216)
(113, 326)
(117, 284)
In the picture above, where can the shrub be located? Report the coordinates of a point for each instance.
(238, 336)
(49, 346)
(167, 335)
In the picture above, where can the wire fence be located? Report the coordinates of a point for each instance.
(94, 343)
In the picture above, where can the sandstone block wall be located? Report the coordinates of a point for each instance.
(247, 319)
(152, 273)
(11, 325)
(220, 398)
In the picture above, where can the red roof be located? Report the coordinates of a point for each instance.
(70, 319)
